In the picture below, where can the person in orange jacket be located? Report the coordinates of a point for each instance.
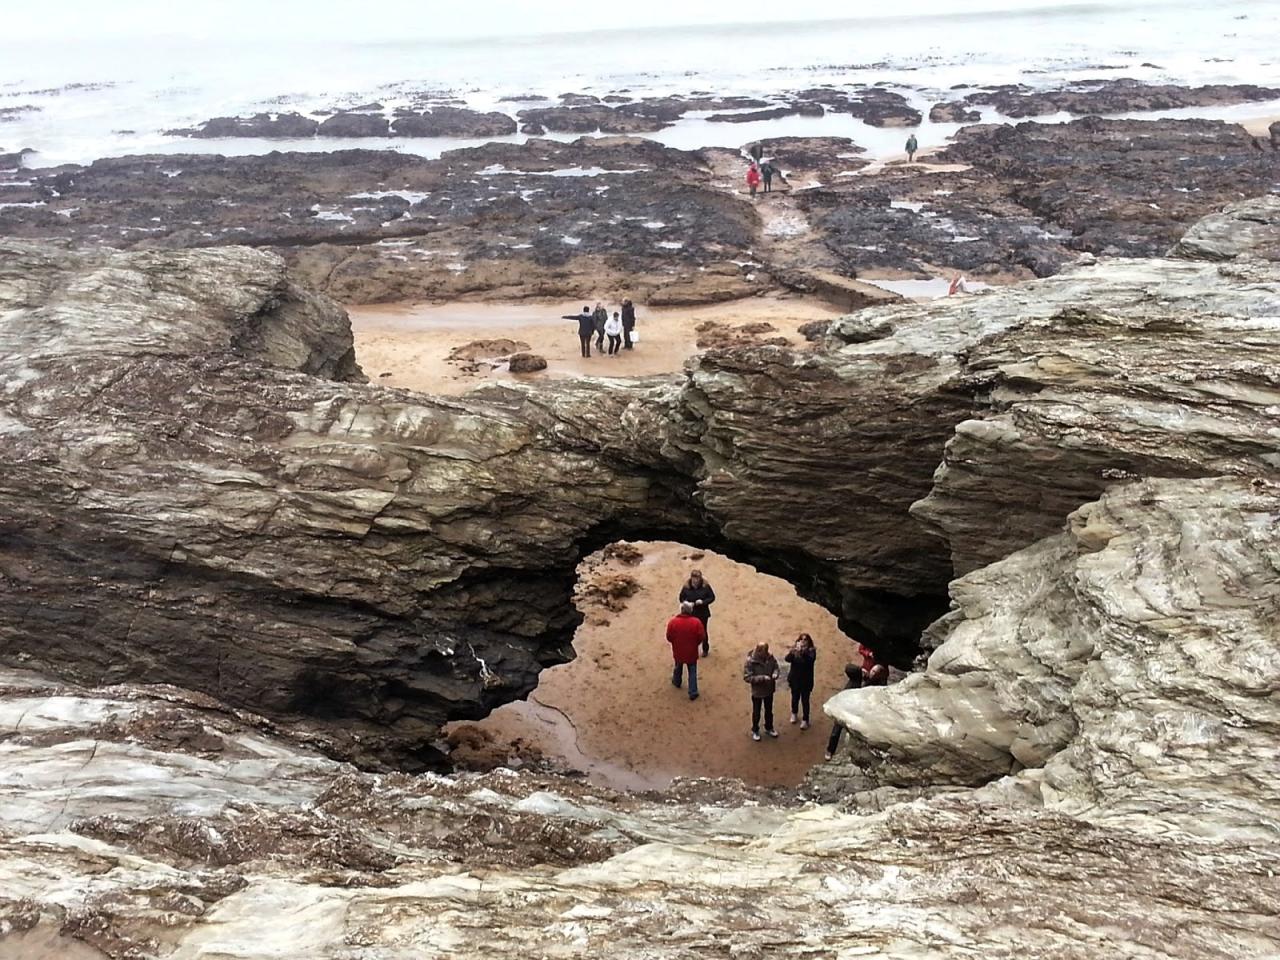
(753, 179)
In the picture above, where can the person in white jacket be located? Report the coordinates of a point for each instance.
(613, 330)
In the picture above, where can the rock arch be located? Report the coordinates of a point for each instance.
(201, 490)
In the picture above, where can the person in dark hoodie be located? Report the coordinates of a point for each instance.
(628, 323)
(802, 656)
(601, 317)
(586, 328)
(761, 674)
(698, 592)
(870, 674)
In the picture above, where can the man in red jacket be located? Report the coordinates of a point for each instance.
(686, 635)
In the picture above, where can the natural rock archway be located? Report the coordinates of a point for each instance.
(200, 491)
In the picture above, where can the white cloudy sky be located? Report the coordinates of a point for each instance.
(420, 19)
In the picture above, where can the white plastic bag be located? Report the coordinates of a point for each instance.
(635, 336)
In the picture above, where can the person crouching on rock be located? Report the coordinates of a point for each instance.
(761, 674)
(601, 319)
(685, 633)
(628, 323)
(853, 674)
(698, 592)
(753, 179)
(613, 330)
(802, 656)
(586, 328)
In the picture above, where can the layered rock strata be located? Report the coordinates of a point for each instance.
(201, 493)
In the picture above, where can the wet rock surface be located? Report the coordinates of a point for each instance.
(620, 214)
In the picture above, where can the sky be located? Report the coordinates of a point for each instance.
(423, 19)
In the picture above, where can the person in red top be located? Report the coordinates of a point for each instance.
(753, 178)
(686, 635)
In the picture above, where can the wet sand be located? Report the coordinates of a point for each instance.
(614, 714)
(1260, 126)
(407, 345)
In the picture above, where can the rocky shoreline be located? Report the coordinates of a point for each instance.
(618, 216)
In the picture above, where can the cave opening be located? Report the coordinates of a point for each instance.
(612, 711)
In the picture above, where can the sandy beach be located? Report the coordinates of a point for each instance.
(613, 712)
(407, 345)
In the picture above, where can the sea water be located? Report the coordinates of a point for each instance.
(144, 83)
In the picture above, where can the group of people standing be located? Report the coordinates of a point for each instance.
(761, 172)
(689, 637)
(597, 324)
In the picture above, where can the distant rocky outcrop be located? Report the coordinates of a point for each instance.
(1120, 95)
(272, 126)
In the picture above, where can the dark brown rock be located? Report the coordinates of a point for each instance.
(453, 122)
(354, 125)
(526, 363)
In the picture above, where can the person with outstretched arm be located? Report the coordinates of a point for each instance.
(685, 634)
(802, 656)
(697, 591)
(761, 674)
(586, 328)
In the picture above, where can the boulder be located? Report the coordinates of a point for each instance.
(283, 126)
(526, 363)
(453, 122)
(354, 125)
(954, 112)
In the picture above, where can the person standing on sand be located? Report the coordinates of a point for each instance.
(802, 656)
(753, 179)
(853, 674)
(613, 330)
(699, 593)
(628, 323)
(761, 674)
(685, 633)
(912, 146)
(601, 318)
(586, 328)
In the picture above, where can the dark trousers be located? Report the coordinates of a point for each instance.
(586, 343)
(676, 677)
(768, 184)
(799, 698)
(615, 344)
(600, 340)
(756, 704)
(626, 338)
(706, 637)
(834, 740)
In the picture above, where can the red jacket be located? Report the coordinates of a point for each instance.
(685, 633)
(753, 176)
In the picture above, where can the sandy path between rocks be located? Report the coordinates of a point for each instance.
(613, 713)
(407, 345)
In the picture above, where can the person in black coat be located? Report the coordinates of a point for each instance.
(698, 592)
(628, 323)
(870, 674)
(802, 656)
(586, 328)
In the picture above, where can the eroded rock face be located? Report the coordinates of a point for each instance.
(387, 561)
(151, 822)
(1117, 670)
